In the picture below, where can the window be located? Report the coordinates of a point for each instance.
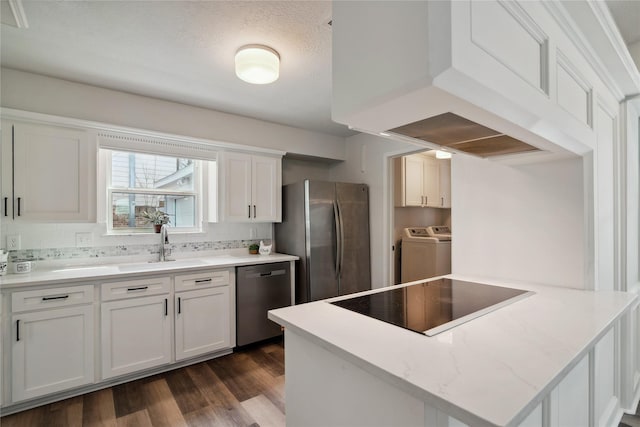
(140, 183)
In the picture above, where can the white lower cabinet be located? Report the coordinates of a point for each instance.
(136, 334)
(52, 350)
(66, 337)
(202, 321)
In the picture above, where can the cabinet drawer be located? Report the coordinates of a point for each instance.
(135, 288)
(51, 298)
(206, 279)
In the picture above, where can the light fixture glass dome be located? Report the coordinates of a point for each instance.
(257, 64)
(440, 154)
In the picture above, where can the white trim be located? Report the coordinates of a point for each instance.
(577, 37)
(603, 15)
(27, 116)
(18, 13)
(134, 142)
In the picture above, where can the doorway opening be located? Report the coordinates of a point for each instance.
(420, 216)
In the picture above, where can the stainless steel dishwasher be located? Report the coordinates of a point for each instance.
(260, 288)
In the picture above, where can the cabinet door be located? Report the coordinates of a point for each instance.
(53, 173)
(266, 189)
(237, 182)
(52, 351)
(202, 321)
(413, 178)
(136, 334)
(444, 169)
(431, 186)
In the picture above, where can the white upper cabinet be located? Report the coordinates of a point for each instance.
(48, 173)
(252, 188)
(506, 65)
(444, 172)
(422, 180)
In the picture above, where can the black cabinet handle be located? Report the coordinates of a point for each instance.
(249, 206)
(55, 298)
(19, 199)
(139, 288)
(18, 330)
(179, 305)
(254, 211)
(166, 307)
(203, 280)
(6, 211)
(266, 274)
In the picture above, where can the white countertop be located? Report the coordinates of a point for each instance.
(492, 370)
(109, 271)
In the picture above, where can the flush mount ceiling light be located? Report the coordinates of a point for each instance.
(440, 154)
(257, 64)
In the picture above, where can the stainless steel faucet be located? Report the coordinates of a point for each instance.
(164, 240)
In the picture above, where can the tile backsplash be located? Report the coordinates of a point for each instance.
(58, 242)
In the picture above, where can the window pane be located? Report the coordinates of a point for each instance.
(137, 170)
(127, 210)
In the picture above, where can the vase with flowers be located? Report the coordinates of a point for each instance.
(157, 218)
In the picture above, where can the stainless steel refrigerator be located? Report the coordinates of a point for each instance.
(326, 224)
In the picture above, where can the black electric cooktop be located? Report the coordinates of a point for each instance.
(435, 306)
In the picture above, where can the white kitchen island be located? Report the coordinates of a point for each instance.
(529, 363)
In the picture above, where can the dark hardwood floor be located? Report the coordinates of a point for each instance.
(245, 388)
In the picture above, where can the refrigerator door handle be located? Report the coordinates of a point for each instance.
(336, 217)
(341, 239)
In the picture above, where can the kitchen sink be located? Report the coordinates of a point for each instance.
(161, 265)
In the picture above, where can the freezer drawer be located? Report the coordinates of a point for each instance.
(260, 288)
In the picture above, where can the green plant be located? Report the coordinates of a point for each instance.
(156, 217)
(254, 247)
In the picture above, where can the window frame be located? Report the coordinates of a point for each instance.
(106, 191)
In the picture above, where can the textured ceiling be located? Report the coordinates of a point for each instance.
(183, 51)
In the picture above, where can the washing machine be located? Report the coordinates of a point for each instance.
(426, 252)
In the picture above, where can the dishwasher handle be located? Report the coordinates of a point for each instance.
(266, 274)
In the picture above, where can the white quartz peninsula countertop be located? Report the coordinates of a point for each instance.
(492, 370)
(67, 274)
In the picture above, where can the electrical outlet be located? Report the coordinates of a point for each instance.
(84, 239)
(13, 242)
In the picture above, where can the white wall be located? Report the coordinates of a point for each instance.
(366, 162)
(37, 93)
(519, 223)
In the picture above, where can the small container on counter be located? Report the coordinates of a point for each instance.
(20, 267)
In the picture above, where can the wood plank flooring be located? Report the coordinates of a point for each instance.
(245, 388)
